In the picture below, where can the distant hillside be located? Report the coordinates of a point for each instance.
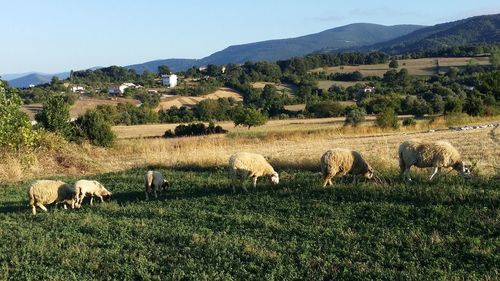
(353, 35)
(173, 64)
(35, 79)
(480, 29)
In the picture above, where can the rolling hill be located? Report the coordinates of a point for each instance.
(480, 29)
(35, 79)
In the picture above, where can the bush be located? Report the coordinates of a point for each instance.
(326, 109)
(194, 129)
(15, 127)
(387, 119)
(409, 121)
(355, 116)
(95, 127)
(55, 116)
(249, 117)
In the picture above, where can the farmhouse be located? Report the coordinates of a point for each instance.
(115, 90)
(169, 80)
(77, 89)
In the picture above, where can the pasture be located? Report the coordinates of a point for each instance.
(201, 230)
(424, 66)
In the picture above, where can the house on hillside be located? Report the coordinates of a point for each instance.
(116, 90)
(77, 89)
(169, 80)
(368, 89)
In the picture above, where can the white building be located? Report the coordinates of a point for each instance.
(120, 89)
(77, 89)
(169, 80)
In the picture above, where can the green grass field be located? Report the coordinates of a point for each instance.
(200, 230)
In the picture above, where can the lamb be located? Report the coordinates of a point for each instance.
(49, 192)
(438, 155)
(341, 161)
(90, 188)
(244, 165)
(153, 180)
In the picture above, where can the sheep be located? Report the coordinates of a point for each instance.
(250, 165)
(438, 155)
(51, 191)
(343, 161)
(90, 188)
(153, 180)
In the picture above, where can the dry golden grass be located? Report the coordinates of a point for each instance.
(425, 66)
(326, 84)
(190, 101)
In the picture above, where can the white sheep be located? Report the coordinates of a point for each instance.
(49, 192)
(91, 188)
(439, 154)
(244, 165)
(340, 161)
(153, 180)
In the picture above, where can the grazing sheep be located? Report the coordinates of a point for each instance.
(250, 165)
(343, 161)
(90, 188)
(49, 192)
(153, 180)
(439, 154)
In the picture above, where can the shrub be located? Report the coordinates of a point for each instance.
(387, 119)
(15, 127)
(326, 109)
(55, 116)
(409, 121)
(95, 127)
(249, 117)
(194, 129)
(355, 116)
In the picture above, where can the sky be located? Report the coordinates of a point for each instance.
(53, 36)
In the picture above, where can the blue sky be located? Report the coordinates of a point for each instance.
(54, 36)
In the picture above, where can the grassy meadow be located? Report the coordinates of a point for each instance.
(297, 230)
(201, 230)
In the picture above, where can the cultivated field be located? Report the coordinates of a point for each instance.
(326, 84)
(425, 66)
(190, 101)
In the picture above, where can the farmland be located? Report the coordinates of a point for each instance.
(425, 66)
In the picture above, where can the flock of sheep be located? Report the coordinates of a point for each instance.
(244, 165)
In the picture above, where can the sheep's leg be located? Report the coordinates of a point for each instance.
(91, 200)
(42, 207)
(154, 192)
(100, 197)
(327, 180)
(147, 196)
(406, 174)
(436, 171)
(33, 209)
(254, 181)
(64, 206)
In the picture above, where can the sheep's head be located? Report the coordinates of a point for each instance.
(463, 169)
(369, 172)
(165, 185)
(106, 195)
(275, 178)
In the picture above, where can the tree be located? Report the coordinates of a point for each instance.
(96, 127)
(249, 117)
(394, 63)
(15, 127)
(163, 69)
(55, 116)
(355, 116)
(495, 57)
(387, 119)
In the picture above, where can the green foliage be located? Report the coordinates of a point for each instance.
(409, 121)
(393, 63)
(55, 116)
(387, 119)
(495, 57)
(325, 109)
(200, 230)
(203, 87)
(163, 69)
(355, 116)
(248, 117)
(15, 127)
(96, 127)
(194, 129)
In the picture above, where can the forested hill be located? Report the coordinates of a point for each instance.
(348, 36)
(480, 29)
